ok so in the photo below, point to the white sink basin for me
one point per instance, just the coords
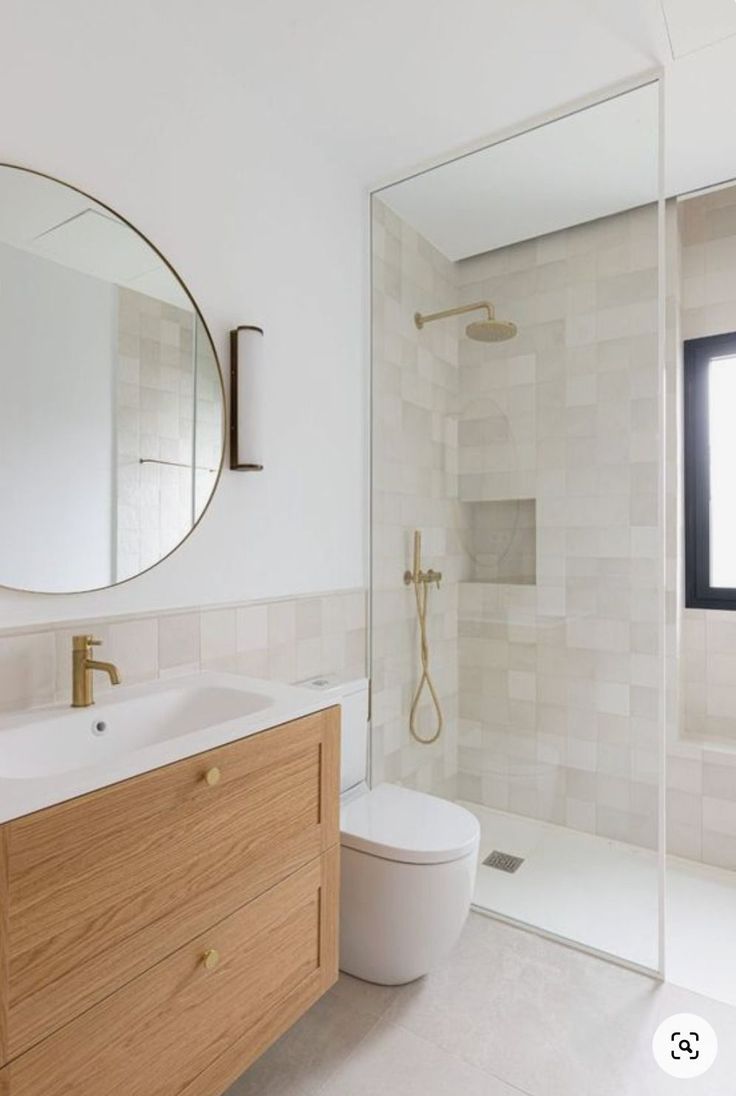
(53, 754)
(85, 736)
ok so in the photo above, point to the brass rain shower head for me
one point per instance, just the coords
(488, 330)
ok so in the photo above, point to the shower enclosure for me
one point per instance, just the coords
(530, 452)
(582, 641)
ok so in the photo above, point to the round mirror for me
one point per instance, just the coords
(111, 399)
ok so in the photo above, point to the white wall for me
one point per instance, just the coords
(264, 229)
(57, 331)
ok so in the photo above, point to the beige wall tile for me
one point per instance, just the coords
(27, 670)
(252, 628)
(133, 646)
(218, 634)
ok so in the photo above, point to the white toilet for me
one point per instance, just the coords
(408, 862)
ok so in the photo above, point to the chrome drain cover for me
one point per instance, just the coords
(503, 861)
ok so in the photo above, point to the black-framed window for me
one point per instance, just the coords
(710, 472)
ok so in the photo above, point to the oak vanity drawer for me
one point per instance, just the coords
(194, 1022)
(103, 887)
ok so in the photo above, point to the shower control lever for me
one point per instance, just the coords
(417, 577)
(428, 578)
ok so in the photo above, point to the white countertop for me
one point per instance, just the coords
(52, 754)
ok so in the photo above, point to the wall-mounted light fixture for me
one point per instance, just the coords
(246, 403)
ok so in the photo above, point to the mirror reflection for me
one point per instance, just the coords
(111, 417)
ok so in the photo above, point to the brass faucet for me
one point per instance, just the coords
(82, 669)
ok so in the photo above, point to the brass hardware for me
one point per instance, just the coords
(83, 667)
(488, 330)
(210, 959)
(429, 578)
(420, 319)
(421, 581)
(213, 776)
(418, 577)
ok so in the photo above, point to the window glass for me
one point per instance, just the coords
(722, 434)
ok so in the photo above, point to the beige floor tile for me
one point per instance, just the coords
(553, 1021)
(392, 1060)
(507, 1013)
(305, 1058)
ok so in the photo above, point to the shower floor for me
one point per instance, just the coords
(603, 894)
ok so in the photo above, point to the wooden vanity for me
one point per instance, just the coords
(159, 934)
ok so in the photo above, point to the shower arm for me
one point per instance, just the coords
(420, 319)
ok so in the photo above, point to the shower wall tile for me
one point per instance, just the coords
(557, 682)
(415, 476)
(563, 706)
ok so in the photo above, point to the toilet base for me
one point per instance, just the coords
(397, 920)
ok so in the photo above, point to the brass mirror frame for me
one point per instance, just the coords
(198, 316)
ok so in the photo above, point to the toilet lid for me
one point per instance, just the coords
(400, 824)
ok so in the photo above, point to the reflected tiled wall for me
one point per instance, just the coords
(286, 640)
(155, 405)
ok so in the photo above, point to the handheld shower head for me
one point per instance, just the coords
(488, 330)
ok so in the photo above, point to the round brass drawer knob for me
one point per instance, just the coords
(210, 959)
(213, 776)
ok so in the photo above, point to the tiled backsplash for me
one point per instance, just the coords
(287, 640)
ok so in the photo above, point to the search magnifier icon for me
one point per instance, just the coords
(685, 1045)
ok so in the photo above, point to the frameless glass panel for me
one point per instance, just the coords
(516, 425)
(701, 830)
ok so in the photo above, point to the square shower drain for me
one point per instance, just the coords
(503, 861)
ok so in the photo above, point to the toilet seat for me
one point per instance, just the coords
(409, 827)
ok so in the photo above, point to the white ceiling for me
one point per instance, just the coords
(380, 88)
(587, 165)
(386, 88)
(694, 24)
(63, 226)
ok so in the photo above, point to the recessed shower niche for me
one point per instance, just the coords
(501, 541)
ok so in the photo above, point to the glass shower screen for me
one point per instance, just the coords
(517, 424)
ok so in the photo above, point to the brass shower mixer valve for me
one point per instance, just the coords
(427, 578)
(418, 577)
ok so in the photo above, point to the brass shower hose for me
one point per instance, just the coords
(421, 591)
